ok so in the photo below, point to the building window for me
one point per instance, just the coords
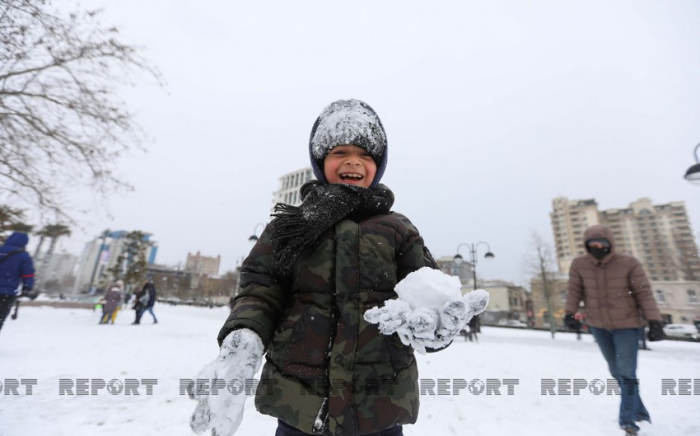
(660, 297)
(692, 296)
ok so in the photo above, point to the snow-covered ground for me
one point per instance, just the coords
(49, 344)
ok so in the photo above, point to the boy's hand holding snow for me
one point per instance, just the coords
(430, 310)
(218, 408)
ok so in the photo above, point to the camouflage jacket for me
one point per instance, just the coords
(327, 370)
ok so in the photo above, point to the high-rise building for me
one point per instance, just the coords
(203, 265)
(288, 192)
(658, 235)
(101, 254)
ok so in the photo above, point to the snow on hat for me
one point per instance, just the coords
(348, 122)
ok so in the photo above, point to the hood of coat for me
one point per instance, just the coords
(17, 239)
(599, 231)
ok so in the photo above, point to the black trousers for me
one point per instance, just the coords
(6, 302)
(284, 429)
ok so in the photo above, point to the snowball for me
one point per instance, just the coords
(428, 288)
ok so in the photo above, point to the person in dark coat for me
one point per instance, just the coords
(147, 299)
(138, 304)
(16, 268)
(474, 328)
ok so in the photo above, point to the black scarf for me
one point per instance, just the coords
(297, 229)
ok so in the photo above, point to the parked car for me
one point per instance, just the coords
(512, 323)
(682, 331)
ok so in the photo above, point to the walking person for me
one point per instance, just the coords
(474, 328)
(643, 339)
(617, 298)
(16, 267)
(148, 300)
(119, 287)
(138, 304)
(145, 300)
(112, 299)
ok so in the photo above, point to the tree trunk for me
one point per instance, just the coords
(38, 247)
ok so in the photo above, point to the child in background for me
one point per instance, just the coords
(112, 299)
(306, 286)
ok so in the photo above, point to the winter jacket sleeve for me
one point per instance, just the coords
(641, 291)
(27, 272)
(412, 254)
(574, 291)
(260, 303)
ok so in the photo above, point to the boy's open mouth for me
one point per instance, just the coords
(351, 177)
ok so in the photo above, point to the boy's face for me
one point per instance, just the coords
(351, 165)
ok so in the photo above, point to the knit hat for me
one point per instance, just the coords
(348, 122)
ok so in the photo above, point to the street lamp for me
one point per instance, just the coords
(254, 237)
(472, 256)
(693, 173)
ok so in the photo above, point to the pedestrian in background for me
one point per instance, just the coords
(16, 268)
(138, 304)
(112, 299)
(146, 299)
(474, 329)
(149, 290)
(617, 299)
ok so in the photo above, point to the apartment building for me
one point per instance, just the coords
(290, 184)
(203, 265)
(658, 235)
(101, 254)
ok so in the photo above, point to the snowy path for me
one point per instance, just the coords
(49, 344)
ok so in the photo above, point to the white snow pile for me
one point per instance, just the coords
(222, 398)
(430, 310)
(429, 288)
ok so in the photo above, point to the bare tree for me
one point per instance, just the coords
(541, 265)
(60, 118)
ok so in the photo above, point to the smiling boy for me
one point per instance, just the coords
(306, 285)
(351, 165)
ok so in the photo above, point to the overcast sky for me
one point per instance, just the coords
(491, 110)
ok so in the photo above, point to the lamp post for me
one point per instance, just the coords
(254, 237)
(693, 173)
(472, 257)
